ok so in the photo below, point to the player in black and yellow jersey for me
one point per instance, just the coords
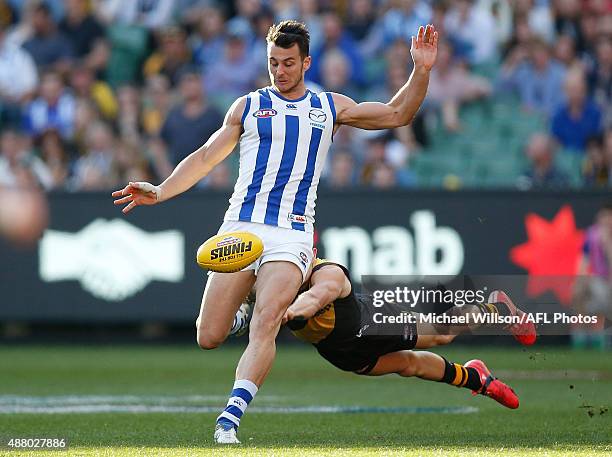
(331, 316)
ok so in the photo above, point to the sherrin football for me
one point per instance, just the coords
(229, 252)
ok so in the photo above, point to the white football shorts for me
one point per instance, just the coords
(280, 244)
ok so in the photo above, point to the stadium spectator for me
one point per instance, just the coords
(466, 24)
(129, 163)
(567, 19)
(53, 151)
(383, 176)
(191, 123)
(129, 119)
(335, 72)
(246, 10)
(537, 16)
(53, 109)
(342, 170)
(18, 79)
(335, 38)
(565, 50)
(208, 43)
(94, 170)
(80, 27)
(8, 14)
(150, 14)
(578, 118)
(522, 36)
(156, 104)
(85, 86)
(534, 76)
(306, 11)
(593, 289)
(596, 170)
(397, 23)
(259, 48)
(19, 166)
(48, 46)
(172, 55)
(451, 85)
(542, 173)
(237, 67)
(360, 19)
(600, 79)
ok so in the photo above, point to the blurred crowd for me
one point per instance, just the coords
(95, 93)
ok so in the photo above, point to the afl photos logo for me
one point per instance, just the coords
(264, 113)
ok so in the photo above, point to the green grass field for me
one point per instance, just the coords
(564, 400)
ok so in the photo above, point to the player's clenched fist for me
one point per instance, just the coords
(136, 194)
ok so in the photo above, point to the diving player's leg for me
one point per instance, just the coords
(474, 375)
(222, 297)
(499, 303)
(277, 285)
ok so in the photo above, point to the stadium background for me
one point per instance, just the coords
(514, 139)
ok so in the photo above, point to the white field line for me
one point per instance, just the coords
(88, 404)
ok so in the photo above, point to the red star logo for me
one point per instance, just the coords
(551, 254)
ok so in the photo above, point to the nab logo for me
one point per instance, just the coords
(291, 106)
(264, 113)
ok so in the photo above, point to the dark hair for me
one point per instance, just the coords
(286, 33)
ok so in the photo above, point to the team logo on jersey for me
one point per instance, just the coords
(317, 115)
(291, 106)
(264, 113)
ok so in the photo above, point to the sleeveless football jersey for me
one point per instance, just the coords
(282, 151)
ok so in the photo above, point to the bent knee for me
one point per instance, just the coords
(208, 340)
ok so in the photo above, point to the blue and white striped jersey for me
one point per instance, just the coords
(282, 151)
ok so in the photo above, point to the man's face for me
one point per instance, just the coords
(190, 87)
(605, 220)
(286, 66)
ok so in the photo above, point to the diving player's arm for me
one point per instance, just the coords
(406, 102)
(326, 285)
(192, 168)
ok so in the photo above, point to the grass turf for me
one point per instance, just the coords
(564, 396)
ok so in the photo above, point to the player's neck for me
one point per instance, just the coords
(294, 94)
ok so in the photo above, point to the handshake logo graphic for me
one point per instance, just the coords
(112, 260)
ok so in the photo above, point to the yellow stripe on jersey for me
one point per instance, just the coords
(319, 326)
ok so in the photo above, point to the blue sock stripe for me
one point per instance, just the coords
(242, 393)
(225, 417)
(234, 410)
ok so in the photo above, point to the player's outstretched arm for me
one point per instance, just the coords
(191, 169)
(326, 285)
(406, 102)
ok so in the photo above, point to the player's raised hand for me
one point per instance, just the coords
(424, 48)
(136, 194)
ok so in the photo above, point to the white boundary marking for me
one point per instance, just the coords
(91, 404)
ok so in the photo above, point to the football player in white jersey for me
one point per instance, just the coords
(284, 132)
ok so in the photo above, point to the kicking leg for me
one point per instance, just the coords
(474, 375)
(222, 297)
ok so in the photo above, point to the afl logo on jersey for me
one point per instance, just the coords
(317, 115)
(263, 113)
